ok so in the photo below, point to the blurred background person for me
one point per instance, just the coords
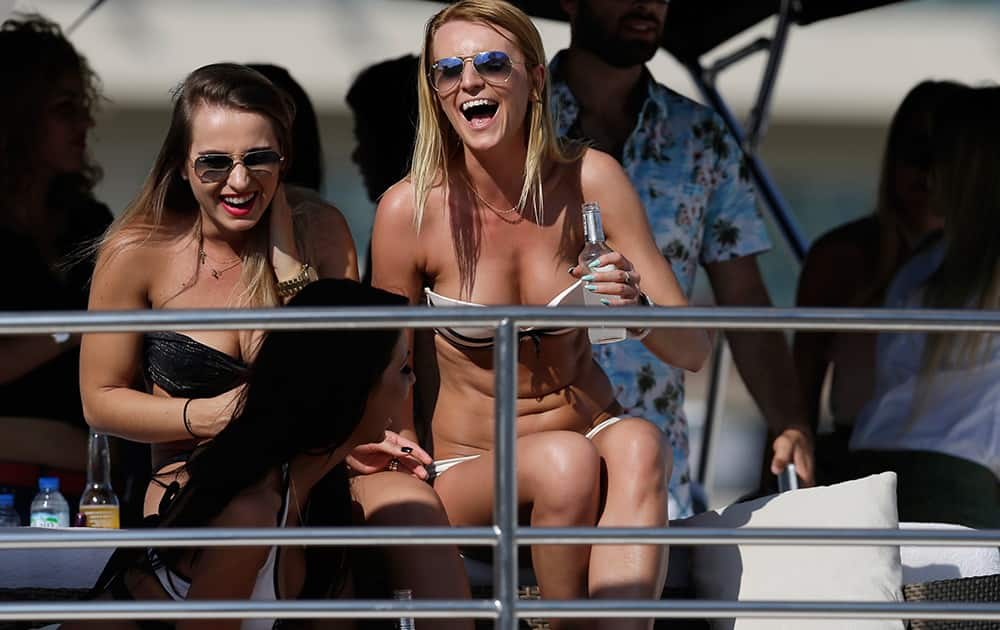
(47, 214)
(852, 266)
(384, 128)
(934, 416)
(303, 175)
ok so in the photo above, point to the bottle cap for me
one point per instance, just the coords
(48, 483)
(6, 500)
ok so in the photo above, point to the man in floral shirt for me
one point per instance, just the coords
(692, 179)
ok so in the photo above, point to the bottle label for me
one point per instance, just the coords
(49, 519)
(102, 516)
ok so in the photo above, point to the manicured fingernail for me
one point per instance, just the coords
(605, 301)
(407, 449)
(590, 287)
(588, 277)
(570, 270)
(594, 264)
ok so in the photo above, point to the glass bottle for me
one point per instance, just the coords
(98, 501)
(593, 248)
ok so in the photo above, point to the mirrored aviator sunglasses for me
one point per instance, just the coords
(493, 66)
(215, 167)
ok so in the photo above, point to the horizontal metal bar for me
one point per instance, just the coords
(487, 609)
(27, 538)
(241, 609)
(757, 536)
(243, 537)
(709, 609)
(818, 319)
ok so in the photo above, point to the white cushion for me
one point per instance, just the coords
(801, 573)
(928, 564)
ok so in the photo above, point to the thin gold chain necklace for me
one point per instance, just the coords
(503, 214)
(203, 257)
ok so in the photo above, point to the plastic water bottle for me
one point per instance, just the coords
(49, 507)
(404, 623)
(8, 515)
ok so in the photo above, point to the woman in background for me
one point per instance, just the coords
(934, 417)
(47, 214)
(852, 266)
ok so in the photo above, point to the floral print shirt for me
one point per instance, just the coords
(692, 179)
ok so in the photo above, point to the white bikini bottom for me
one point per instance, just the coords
(440, 466)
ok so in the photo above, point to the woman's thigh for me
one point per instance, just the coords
(561, 468)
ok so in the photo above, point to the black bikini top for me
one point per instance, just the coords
(186, 368)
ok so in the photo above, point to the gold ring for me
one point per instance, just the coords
(393, 464)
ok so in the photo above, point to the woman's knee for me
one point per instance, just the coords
(394, 498)
(564, 470)
(636, 448)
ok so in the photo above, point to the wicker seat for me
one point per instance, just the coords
(983, 589)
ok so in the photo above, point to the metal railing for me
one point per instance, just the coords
(505, 535)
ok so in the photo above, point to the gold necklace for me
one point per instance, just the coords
(503, 214)
(216, 273)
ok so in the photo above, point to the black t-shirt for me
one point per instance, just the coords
(52, 390)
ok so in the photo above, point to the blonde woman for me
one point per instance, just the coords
(852, 266)
(938, 395)
(490, 214)
(211, 228)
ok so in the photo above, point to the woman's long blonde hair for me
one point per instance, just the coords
(437, 142)
(965, 189)
(908, 141)
(230, 86)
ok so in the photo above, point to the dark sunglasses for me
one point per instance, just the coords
(494, 66)
(215, 167)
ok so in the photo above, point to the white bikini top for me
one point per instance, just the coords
(484, 337)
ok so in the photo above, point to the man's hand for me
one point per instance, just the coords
(795, 445)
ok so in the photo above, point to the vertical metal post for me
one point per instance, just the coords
(762, 108)
(505, 565)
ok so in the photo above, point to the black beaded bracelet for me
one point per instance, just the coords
(187, 421)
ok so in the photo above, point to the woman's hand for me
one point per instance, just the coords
(209, 416)
(620, 287)
(407, 455)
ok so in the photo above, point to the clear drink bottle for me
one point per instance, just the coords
(8, 515)
(49, 507)
(594, 247)
(98, 502)
(404, 623)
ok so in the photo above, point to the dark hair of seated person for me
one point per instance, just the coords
(306, 167)
(306, 394)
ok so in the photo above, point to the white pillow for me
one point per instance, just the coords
(928, 564)
(799, 573)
